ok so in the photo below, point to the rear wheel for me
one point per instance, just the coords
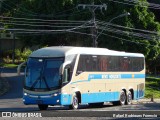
(122, 98)
(42, 107)
(129, 98)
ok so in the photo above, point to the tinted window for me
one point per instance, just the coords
(110, 63)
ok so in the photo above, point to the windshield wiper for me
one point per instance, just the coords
(33, 85)
(46, 83)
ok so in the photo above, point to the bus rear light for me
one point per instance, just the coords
(25, 94)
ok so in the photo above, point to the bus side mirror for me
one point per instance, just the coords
(63, 66)
(66, 75)
(19, 67)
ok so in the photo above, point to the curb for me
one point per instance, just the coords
(143, 101)
(4, 86)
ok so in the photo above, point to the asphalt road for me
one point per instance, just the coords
(12, 102)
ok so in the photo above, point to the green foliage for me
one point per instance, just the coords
(20, 56)
(140, 18)
(18, 53)
(26, 53)
(152, 87)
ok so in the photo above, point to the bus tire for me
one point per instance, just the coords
(75, 102)
(122, 99)
(42, 107)
(129, 98)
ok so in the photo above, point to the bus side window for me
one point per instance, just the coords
(94, 62)
(87, 63)
(81, 65)
(124, 64)
(103, 63)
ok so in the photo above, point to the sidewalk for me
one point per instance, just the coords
(147, 100)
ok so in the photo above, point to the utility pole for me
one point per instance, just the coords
(92, 7)
(1, 1)
(94, 28)
(13, 51)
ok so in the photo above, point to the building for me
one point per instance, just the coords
(9, 42)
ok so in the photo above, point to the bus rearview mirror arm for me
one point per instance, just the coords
(61, 70)
(19, 67)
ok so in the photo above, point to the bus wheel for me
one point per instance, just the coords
(122, 98)
(75, 102)
(129, 98)
(42, 107)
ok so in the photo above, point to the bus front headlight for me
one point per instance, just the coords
(25, 94)
(54, 94)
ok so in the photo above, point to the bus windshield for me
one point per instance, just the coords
(43, 74)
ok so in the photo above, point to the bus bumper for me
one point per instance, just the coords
(55, 99)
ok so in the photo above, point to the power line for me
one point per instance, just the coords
(81, 33)
(32, 30)
(48, 23)
(126, 40)
(39, 33)
(144, 3)
(153, 7)
(127, 33)
(115, 25)
(27, 19)
(33, 25)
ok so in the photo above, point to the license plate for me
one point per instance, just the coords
(39, 102)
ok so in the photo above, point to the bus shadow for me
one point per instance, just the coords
(152, 106)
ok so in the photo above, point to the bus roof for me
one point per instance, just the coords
(61, 51)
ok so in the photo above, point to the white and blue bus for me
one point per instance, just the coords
(71, 76)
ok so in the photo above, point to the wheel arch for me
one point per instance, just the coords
(125, 91)
(132, 92)
(78, 93)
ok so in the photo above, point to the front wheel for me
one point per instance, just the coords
(42, 107)
(75, 102)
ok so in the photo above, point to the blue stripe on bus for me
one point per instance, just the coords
(139, 76)
(106, 96)
(99, 97)
(66, 99)
(124, 76)
(111, 76)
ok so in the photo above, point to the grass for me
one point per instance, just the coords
(10, 65)
(152, 87)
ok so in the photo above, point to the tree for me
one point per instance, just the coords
(115, 37)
